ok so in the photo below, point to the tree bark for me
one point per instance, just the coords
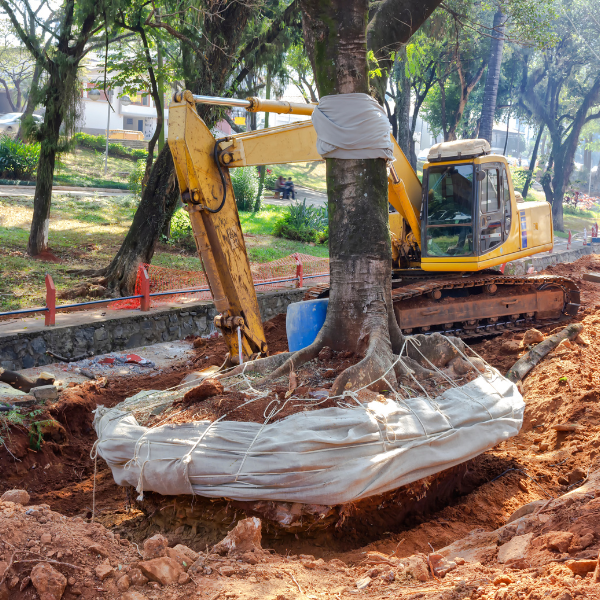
(534, 154)
(159, 200)
(492, 79)
(42, 200)
(402, 111)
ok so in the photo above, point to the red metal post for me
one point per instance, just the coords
(145, 289)
(569, 241)
(299, 270)
(50, 301)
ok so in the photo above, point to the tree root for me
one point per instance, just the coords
(261, 366)
(375, 369)
(534, 356)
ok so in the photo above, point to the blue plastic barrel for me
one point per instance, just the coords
(304, 321)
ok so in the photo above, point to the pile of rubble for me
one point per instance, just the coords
(547, 549)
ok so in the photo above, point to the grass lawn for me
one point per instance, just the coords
(310, 175)
(85, 233)
(83, 167)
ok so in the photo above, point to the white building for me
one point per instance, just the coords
(140, 115)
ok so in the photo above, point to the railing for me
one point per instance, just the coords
(52, 308)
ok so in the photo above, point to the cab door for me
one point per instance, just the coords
(491, 207)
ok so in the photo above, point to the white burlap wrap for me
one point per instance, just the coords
(328, 456)
(352, 126)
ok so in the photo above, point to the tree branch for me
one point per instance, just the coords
(258, 46)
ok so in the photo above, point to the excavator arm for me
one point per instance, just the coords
(202, 166)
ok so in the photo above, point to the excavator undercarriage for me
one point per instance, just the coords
(476, 304)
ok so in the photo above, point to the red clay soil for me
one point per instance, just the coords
(47, 256)
(538, 464)
(61, 472)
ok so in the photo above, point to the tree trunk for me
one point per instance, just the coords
(493, 78)
(507, 129)
(42, 200)
(403, 107)
(587, 155)
(161, 93)
(159, 200)
(32, 100)
(263, 168)
(533, 161)
(360, 315)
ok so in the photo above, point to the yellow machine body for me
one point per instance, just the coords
(202, 164)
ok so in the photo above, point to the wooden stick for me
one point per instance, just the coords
(534, 356)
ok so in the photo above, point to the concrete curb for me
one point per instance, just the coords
(547, 259)
(23, 344)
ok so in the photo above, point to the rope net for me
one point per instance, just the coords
(282, 273)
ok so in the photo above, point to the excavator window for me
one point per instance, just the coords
(491, 215)
(449, 224)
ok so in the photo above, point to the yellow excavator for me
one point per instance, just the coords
(448, 232)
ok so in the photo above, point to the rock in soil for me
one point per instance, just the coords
(16, 496)
(244, 537)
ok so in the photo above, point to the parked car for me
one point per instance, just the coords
(9, 123)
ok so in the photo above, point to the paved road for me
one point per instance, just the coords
(313, 198)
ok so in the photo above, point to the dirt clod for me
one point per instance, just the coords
(207, 389)
(49, 583)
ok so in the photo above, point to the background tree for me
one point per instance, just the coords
(133, 65)
(561, 88)
(217, 39)
(492, 80)
(75, 26)
(16, 69)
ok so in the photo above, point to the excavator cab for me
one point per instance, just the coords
(467, 211)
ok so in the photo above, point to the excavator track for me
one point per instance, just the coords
(480, 304)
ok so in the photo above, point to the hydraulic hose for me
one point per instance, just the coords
(221, 174)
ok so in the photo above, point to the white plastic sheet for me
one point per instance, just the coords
(328, 456)
(352, 126)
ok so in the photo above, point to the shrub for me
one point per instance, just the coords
(270, 180)
(135, 178)
(245, 182)
(519, 175)
(304, 223)
(98, 143)
(18, 160)
(181, 232)
(138, 153)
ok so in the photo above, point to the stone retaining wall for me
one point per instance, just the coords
(28, 349)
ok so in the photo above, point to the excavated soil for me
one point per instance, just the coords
(539, 464)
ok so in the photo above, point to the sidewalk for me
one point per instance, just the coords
(29, 191)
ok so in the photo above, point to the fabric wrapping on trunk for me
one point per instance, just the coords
(328, 456)
(352, 126)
